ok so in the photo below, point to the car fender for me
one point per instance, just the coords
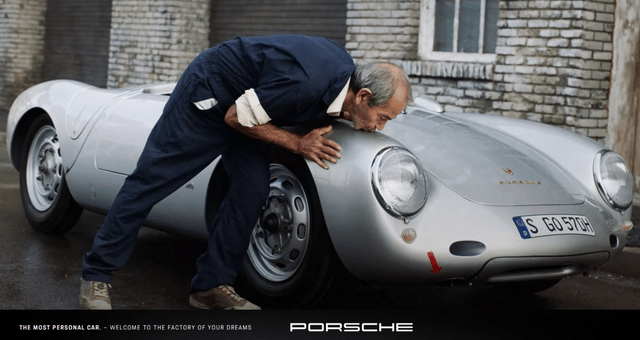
(347, 185)
(71, 105)
(33, 101)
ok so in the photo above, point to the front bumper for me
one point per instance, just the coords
(517, 269)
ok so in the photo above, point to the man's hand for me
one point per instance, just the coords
(315, 147)
(312, 146)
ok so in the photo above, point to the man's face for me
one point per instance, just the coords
(368, 118)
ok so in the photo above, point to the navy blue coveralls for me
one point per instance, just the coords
(295, 77)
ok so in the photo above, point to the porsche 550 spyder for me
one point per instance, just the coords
(436, 197)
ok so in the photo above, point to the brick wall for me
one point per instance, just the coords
(21, 47)
(383, 29)
(154, 41)
(560, 51)
(553, 60)
(552, 64)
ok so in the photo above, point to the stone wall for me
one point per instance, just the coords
(155, 40)
(21, 47)
(553, 60)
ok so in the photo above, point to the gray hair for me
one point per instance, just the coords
(380, 78)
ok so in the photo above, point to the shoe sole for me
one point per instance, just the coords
(86, 305)
(197, 304)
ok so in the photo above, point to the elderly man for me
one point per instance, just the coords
(231, 100)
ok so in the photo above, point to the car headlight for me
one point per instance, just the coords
(613, 179)
(399, 182)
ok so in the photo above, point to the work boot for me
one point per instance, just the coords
(94, 295)
(222, 297)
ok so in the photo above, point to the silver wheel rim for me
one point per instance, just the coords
(44, 169)
(280, 238)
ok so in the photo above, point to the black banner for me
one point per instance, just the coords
(316, 324)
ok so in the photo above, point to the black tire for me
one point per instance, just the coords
(46, 200)
(306, 281)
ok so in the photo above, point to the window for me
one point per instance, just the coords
(459, 30)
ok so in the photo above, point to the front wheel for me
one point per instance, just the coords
(46, 199)
(291, 262)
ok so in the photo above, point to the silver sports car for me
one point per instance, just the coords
(437, 197)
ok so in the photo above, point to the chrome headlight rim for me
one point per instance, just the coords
(598, 176)
(378, 192)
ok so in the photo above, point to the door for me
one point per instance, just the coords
(233, 18)
(77, 41)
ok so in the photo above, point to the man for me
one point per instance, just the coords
(232, 99)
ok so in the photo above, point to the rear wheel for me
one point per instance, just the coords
(46, 199)
(291, 262)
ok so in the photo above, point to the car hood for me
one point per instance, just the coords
(480, 164)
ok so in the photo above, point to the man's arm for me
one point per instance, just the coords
(312, 146)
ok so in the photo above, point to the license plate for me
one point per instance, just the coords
(549, 225)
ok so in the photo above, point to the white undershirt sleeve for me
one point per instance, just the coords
(250, 111)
